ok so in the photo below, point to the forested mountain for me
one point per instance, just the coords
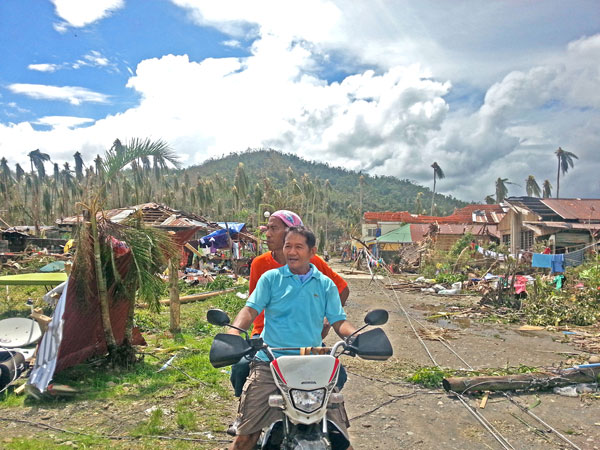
(379, 193)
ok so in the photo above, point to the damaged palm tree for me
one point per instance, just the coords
(149, 249)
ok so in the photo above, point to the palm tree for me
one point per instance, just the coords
(327, 208)
(112, 163)
(361, 185)
(5, 173)
(68, 185)
(501, 189)
(241, 181)
(531, 187)
(290, 177)
(437, 173)
(6, 179)
(38, 159)
(19, 173)
(418, 203)
(565, 160)
(547, 189)
(78, 166)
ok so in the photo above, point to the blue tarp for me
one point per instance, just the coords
(220, 236)
(234, 227)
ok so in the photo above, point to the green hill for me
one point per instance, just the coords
(380, 193)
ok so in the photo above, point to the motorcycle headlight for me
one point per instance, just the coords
(308, 401)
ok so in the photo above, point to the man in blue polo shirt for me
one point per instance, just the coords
(296, 298)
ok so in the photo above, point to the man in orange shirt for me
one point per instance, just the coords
(277, 226)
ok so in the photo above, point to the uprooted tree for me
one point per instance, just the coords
(102, 243)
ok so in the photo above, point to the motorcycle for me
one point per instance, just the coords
(306, 382)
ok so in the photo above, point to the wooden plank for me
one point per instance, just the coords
(193, 250)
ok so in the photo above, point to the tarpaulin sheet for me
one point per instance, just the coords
(219, 237)
(234, 227)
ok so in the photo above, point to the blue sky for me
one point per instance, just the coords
(486, 89)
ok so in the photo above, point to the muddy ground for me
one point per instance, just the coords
(418, 418)
(386, 412)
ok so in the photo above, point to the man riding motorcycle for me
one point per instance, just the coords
(296, 299)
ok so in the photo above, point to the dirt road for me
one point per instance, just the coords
(415, 418)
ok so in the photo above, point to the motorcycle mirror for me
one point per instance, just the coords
(217, 317)
(376, 317)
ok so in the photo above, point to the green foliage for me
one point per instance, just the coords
(219, 283)
(449, 278)
(589, 273)
(575, 306)
(461, 244)
(430, 377)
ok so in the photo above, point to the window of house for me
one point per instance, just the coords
(506, 239)
(526, 240)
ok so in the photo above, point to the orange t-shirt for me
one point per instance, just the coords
(265, 262)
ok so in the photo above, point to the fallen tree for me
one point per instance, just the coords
(589, 373)
(193, 298)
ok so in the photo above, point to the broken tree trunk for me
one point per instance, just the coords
(589, 373)
(174, 309)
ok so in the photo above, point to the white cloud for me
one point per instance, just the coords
(72, 94)
(43, 67)
(234, 43)
(76, 13)
(92, 59)
(63, 122)
(95, 58)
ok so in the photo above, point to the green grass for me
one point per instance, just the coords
(58, 442)
(198, 396)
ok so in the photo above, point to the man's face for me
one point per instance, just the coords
(297, 253)
(275, 233)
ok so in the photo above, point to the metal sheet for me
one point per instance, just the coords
(575, 209)
(572, 238)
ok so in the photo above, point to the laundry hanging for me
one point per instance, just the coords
(541, 260)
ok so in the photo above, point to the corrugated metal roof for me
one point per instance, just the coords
(574, 208)
(490, 214)
(565, 225)
(418, 231)
(459, 229)
(400, 235)
(153, 214)
(535, 205)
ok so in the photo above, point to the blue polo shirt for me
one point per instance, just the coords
(294, 310)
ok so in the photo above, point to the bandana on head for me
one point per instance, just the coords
(290, 218)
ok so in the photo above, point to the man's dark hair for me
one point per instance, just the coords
(311, 240)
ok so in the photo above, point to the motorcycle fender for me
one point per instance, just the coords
(338, 439)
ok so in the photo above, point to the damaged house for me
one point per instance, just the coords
(564, 224)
